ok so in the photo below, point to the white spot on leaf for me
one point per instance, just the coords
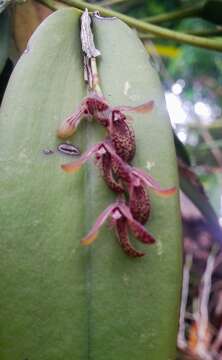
(159, 248)
(150, 164)
(127, 86)
(126, 279)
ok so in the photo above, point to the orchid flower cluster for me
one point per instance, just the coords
(113, 155)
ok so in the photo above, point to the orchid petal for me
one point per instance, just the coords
(70, 124)
(92, 235)
(137, 229)
(122, 234)
(139, 202)
(144, 108)
(122, 136)
(153, 184)
(107, 173)
(120, 168)
(76, 165)
(140, 232)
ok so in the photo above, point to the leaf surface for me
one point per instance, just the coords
(60, 300)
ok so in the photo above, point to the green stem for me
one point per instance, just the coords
(175, 15)
(111, 2)
(52, 4)
(205, 32)
(143, 26)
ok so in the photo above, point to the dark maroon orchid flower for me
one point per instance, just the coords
(91, 106)
(139, 201)
(113, 118)
(103, 160)
(122, 219)
(120, 176)
(121, 170)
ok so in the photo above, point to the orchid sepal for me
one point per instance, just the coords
(75, 165)
(92, 235)
(152, 183)
(143, 108)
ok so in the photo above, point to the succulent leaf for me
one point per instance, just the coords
(61, 300)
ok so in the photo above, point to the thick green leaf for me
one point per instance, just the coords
(60, 300)
(4, 38)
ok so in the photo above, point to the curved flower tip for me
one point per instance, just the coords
(89, 238)
(153, 183)
(64, 132)
(166, 192)
(70, 124)
(76, 165)
(72, 167)
(66, 129)
(92, 235)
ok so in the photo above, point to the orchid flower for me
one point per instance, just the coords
(118, 175)
(121, 132)
(91, 106)
(121, 169)
(122, 219)
(113, 118)
(104, 161)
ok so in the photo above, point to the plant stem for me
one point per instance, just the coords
(111, 2)
(206, 32)
(143, 26)
(53, 4)
(175, 15)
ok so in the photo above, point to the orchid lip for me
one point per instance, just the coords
(116, 214)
